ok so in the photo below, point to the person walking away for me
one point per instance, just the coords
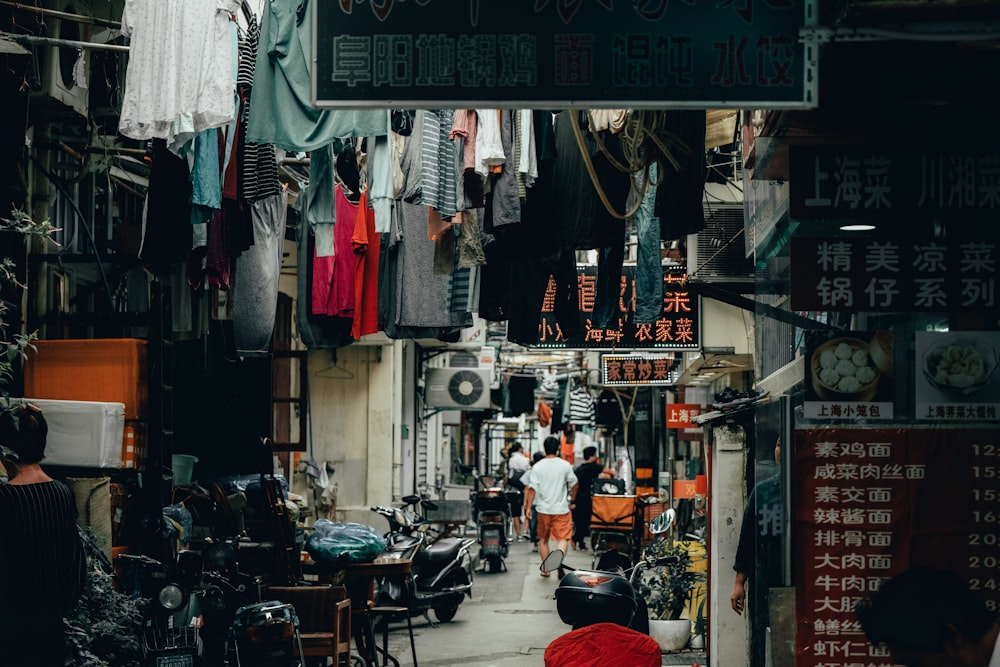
(41, 553)
(517, 465)
(758, 558)
(533, 518)
(550, 488)
(583, 506)
(928, 616)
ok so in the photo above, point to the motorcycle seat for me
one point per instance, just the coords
(441, 551)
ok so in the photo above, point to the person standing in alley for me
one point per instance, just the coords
(550, 487)
(583, 506)
(41, 553)
(517, 465)
(533, 518)
(928, 616)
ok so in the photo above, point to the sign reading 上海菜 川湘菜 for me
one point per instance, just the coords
(518, 53)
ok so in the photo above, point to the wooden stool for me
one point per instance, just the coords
(385, 614)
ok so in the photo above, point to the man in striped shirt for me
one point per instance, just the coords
(41, 554)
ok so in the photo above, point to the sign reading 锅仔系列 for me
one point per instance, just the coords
(519, 53)
(894, 274)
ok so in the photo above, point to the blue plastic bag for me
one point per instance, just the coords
(336, 542)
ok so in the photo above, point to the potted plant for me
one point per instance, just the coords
(667, 592)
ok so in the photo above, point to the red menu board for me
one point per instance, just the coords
(870, 503)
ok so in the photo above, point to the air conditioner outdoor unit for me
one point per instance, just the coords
(56, 63)
(457, 388)
(718, 252)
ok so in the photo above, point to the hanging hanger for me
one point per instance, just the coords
(335, 372)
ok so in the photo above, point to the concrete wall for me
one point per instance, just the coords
(723, 325)
(728, 640)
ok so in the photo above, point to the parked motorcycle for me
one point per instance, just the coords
(442, 570)
(492, 514)
(585, 597)
(172, 632)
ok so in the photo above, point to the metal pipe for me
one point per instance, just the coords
(88, 20)
(70, 43)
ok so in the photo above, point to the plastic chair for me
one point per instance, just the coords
(324, 613)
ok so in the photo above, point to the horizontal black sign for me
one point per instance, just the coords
(677, 328)
(518, 53)
(881, 274)
(849, 182)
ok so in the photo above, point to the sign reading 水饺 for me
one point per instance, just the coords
(677, 327)
(519, 53)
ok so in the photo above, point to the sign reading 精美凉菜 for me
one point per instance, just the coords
(518, 53)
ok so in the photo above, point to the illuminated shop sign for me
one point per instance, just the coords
(639, 370)
(677, 328)
(386, 53)
(894, 274)
(850, 182)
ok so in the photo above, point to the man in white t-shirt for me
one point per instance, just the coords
(551, 486)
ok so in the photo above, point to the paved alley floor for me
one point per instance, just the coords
(508, 622)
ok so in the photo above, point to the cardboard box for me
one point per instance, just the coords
(94, 369)
(85, 434)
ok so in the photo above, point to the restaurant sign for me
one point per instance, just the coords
(519, 53)
(918, 181)
(892, 275)
(678, 326)
(627, 370)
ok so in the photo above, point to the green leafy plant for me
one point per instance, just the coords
(105, 628)
(668, 590)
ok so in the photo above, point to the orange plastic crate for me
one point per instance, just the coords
(94, 369)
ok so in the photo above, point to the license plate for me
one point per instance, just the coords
(491, 541)
(175, 661)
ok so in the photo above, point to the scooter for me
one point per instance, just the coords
(492, 510)
(585, 597)
(442, 571)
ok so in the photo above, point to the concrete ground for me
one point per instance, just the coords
(508, 622)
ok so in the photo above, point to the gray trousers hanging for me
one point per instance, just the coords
(255, 284)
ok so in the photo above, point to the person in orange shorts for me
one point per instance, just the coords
(550, 487)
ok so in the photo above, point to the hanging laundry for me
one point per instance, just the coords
(366, 244)
(582, 407)
(179, 80)
(282, 113)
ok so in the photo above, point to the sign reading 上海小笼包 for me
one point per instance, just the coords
(891, 274)
(519, 53)
(626, 370)
(677, 327)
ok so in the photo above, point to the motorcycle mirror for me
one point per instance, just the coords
(428, 505)
(663, 522)
(553, 561)
(410, 500)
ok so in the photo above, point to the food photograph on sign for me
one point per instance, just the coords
(956, 375)
(849, 375)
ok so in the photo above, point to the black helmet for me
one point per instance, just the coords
(585, 597)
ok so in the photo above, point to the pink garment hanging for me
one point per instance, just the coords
(341, 300)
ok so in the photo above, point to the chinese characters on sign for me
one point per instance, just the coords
(677, 327)
(873, 274)
(956, 376)
(638, 369)
(679, 415)
(871, 503)
(846, 182)
(849, 375)
(379, 53)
